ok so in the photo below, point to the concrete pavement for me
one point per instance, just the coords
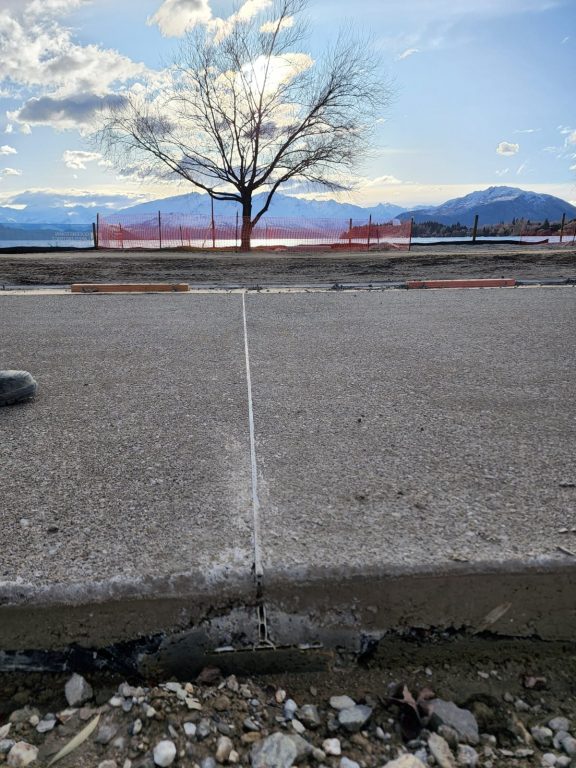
(414, 456)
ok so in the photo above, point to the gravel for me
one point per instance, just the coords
(268, 723)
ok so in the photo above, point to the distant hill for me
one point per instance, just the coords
(495, 205)
(282, 206)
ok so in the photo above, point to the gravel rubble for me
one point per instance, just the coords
(232, 721)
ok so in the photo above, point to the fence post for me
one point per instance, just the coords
(350, 235)
(475, 229)
(369, 227)
(159, 230)
(97, 229)
(121, 238)
(236, 238)
(181, 237)
(94, 235)
(410, 235)
(212, 223)
(562, 227)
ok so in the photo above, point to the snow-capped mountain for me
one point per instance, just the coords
(495, 205)
(42, 210)
(282, 206)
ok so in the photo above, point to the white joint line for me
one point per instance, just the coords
(258, 570)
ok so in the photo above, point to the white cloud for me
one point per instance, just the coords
(11, 172)
(379, 181)
(77, 159)
(41, 60)
(522, 168)
(502, 172)
(506, 148)
(527, 130)
(571, 138)
(565, 40)
(176, 17)
(272, 26)
(9, 128)
(408, 52)
(7, 150)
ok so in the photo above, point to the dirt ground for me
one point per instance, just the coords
(306, 268)
(510, 686)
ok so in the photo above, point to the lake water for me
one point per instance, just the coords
(153, 244)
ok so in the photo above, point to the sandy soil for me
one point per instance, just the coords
(263, 268)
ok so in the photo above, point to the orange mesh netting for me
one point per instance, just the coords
(178, 230)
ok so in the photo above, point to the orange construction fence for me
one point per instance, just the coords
(178, 230)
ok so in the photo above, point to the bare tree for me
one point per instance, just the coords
(244, 112)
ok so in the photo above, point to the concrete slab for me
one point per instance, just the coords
(128, 477)
(415, 455)
(420, 436)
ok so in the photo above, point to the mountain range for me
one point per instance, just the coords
(493, 205)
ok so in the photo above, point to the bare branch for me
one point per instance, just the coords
(247, 111)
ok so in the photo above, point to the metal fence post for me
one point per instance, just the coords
(159, 230)
(475, 230)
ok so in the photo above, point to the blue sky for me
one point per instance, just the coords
(483, 92)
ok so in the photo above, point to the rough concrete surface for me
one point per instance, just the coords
(415, 457)
(404, 429)
(130, 468)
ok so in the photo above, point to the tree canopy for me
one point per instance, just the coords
(243, 111)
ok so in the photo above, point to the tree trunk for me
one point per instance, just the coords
(245, 238)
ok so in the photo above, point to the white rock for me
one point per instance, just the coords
(190, 730)
(549, 759)
(108, 764)
(164, 753)
(406, 761)
(290, 708)
(77, 691)
(223, 749)
(332, 747)
(559, 724)
(5, 730)
(173, 687)
(467, 756)
(46, 724)
(342, 702)
(34, 720)
(347, 763)
(136, 726)
(21, 755)
(298, 726)
(193, 704)
(280, 696)
(234, 757)
(354, 718)
(441, 751)
(116, 701)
